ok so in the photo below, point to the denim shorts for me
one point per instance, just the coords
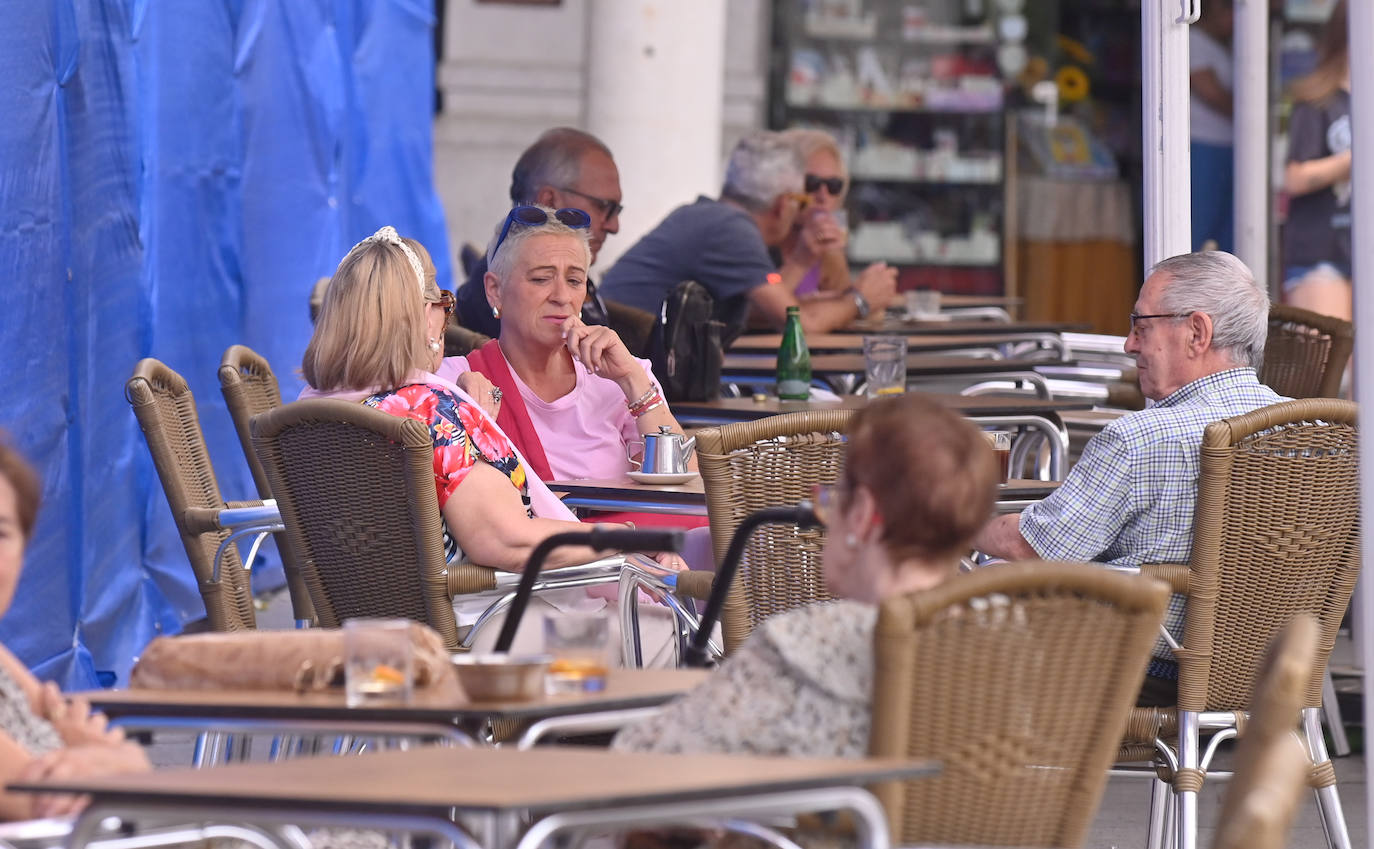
(1295, 274)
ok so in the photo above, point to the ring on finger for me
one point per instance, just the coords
(496, 394)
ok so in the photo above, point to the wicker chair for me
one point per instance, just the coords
(355, 487)
(249, 387)
(767, 463)
(1275, 536)
(1271, 765)
(1306, 352)
(166, 412)
(1018, 679)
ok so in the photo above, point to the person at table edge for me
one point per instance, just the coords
(573, 398)
(1197, 335)
(563, 168)
(723, 245)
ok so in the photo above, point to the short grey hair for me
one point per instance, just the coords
(762, 166)
(555, 159)
(1220, 285)
(499, 262)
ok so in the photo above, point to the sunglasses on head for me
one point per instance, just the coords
(533, 216)
(446, 301)
(834, 185)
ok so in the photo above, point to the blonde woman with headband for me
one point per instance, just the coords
(378, 340)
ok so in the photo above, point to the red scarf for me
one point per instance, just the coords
(513, 418)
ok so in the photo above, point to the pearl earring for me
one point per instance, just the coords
(495, 312)
(851, 541)
(434, 345)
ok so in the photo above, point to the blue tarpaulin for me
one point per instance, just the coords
(173, 179)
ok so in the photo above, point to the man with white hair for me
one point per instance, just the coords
(1197, 335)
(723, 245)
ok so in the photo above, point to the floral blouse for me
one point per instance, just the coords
(462, 436)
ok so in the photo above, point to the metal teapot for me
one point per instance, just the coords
(665, 452)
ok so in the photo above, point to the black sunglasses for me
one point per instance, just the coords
(609, 208)
(834, 185)
(533, 216)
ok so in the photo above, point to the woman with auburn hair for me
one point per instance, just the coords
(1316, 238)
(42, 733)
(378, 341)
(918, 483)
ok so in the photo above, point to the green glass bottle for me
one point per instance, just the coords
(794, 361)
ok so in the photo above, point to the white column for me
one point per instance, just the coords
(655, 89)
(1164, 72)
(1362, 244)
(1251, 98)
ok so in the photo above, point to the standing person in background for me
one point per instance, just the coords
(814, 253)
(1209, 114)
(1316, 240)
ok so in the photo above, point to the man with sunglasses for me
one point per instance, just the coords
(564, 168)
(1197, 335)
(723, 245)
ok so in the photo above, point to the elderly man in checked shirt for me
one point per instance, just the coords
(1197, 335)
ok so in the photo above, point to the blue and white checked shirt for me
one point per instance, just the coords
(1129, 499)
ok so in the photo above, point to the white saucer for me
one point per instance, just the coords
(662, 480)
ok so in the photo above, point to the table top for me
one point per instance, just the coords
(758, 407)
(917, 365)
(948, 300)
(430, 780)
(625, 688)
(916, 342)
(956, 326)
(624, 489)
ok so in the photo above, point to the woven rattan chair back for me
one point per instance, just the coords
(166, 412)
(1017, 679)
(1271, 766)
(1276, 535)
(769, 463)
(249, 387)
(355, 487)
(1306, 352)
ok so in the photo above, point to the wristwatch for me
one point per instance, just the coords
(859, 301)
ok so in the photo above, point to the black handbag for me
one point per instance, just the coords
(686, 347)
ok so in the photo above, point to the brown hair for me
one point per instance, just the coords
(929, 470)
(1333, 59)
(28, 490)
(371, 328)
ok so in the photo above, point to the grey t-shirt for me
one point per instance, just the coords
(713, 243)
(1318, 228)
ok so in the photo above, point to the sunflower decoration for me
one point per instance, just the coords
(1072, 77)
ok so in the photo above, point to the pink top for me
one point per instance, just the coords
(585, 433)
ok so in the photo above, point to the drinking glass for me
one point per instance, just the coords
(1000, 441)
(378, 666)
(579, 644)
(922, 303)
(884, 365)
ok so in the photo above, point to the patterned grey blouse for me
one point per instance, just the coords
(801, 685)
(18, 720)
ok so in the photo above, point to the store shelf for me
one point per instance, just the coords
(991, 109)
(925, 183)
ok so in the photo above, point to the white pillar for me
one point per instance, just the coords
(1251, 120)
(1164, 72)
(655, 93)
(1362, 244)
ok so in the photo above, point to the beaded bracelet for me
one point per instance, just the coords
(643, 399)
(634, 414)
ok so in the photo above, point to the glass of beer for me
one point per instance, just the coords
(579, 644)
(1000, 442)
